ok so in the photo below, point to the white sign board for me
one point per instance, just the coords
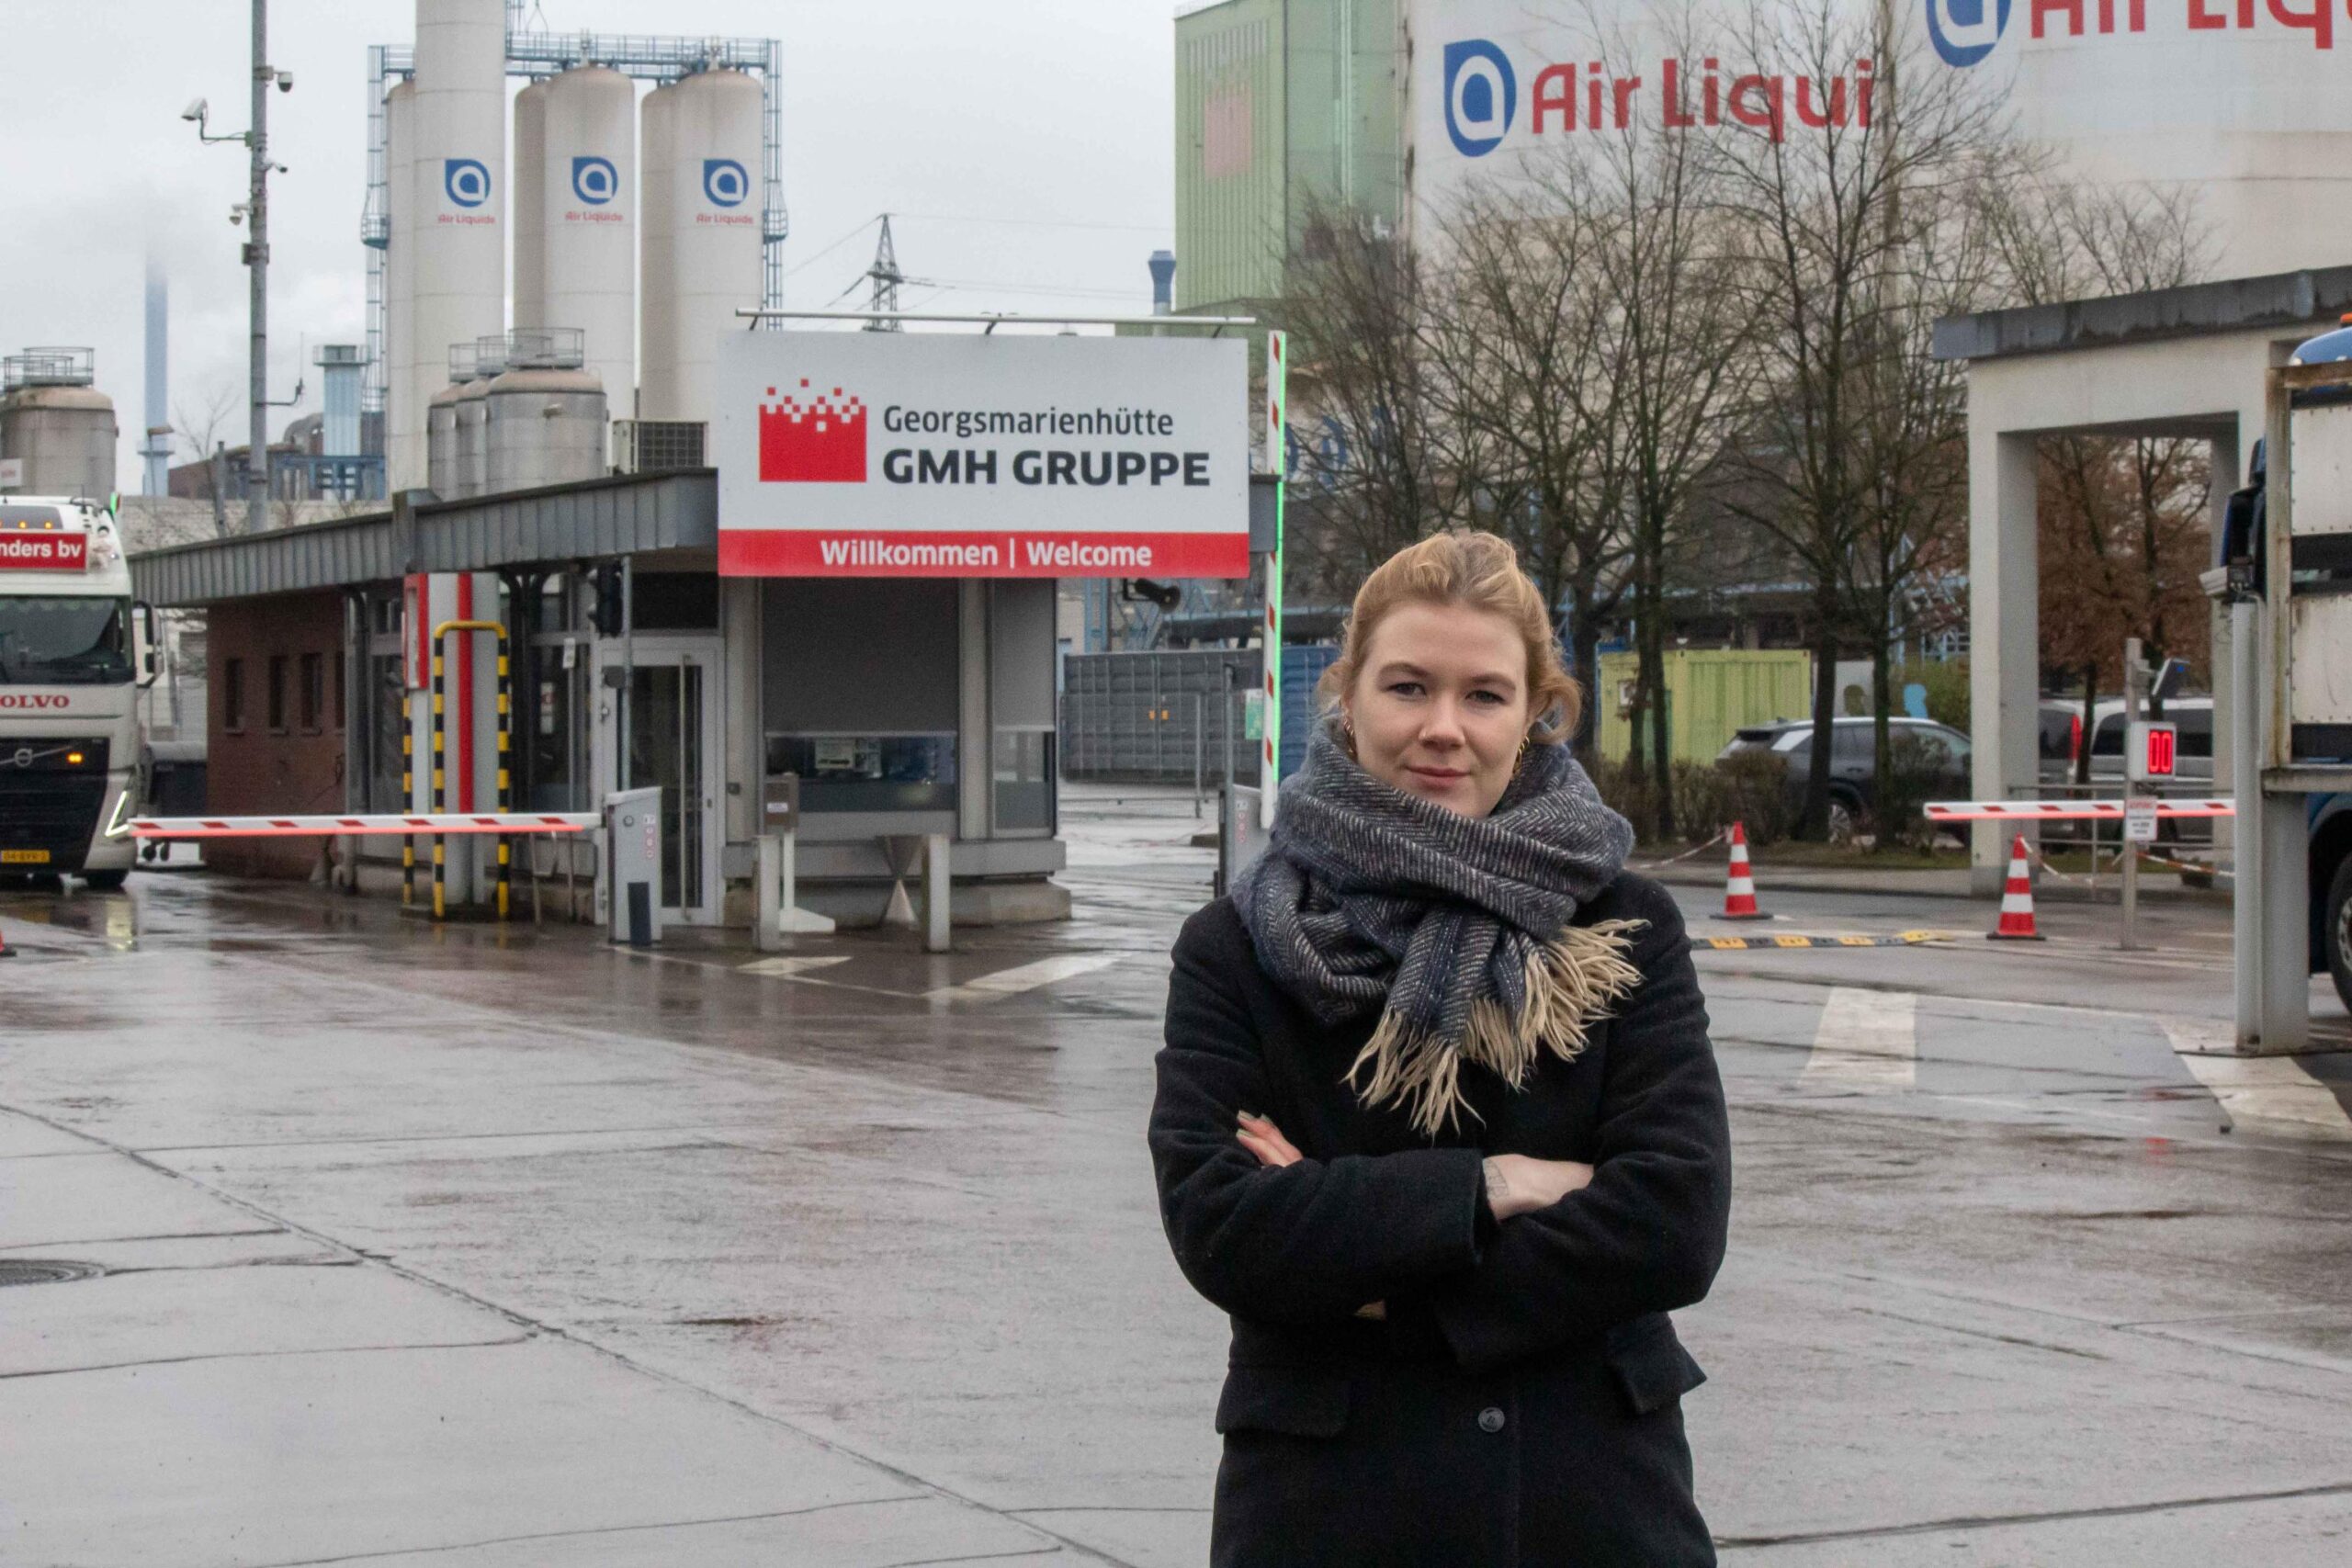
(967, 455)
(2208, 98)
(2140, 819)
(12, 473)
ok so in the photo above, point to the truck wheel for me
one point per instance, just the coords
(2336, 929)
(106, 881)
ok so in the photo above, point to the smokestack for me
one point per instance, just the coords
(156, 450)
(1163, 282)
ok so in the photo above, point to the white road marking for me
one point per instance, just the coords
(1868, 1040)
(987, 988)
(790, 967)
(2264, 1094)
(1025, 977)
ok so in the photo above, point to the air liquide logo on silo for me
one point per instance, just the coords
(467, 180)
(724, 182)
(811, 437)
(594, 180)
(1481, 95)
(1965, 32)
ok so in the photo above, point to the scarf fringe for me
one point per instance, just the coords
(1572, 980)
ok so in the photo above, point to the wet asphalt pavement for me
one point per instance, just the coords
(479, 1246)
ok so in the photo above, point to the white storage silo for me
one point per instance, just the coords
(657, 317)
(405, 456)
(706, 203)
(588, 177)
(458, 184)
(528, 210)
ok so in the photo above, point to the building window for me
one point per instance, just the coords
(278, 693)
(313, 692)
(232, 695)
(338, 690)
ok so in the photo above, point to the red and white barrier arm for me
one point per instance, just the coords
(2064, 810)
(384, 823)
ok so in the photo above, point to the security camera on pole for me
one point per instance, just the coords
(253, 211)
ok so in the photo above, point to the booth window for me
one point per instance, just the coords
(232, 695)
(278, 693)
(313, 692)
(1023, 779)
(868, 772)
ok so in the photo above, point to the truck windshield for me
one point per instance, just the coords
(65, 641)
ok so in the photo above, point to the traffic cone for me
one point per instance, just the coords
(6, 950)
(2016, 901)
(1739, 887)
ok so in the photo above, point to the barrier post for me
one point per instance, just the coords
(440, 781)
(408, 802)
(935, 893)
(505, 777)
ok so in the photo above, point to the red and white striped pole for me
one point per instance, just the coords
(1278, 461)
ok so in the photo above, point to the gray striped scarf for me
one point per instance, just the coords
(1456, 929)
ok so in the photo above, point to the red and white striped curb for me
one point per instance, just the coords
(422, 822)
(2063, 811)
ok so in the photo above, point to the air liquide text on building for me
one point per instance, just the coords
(928, 454)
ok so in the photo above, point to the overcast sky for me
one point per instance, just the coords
(1024, 145)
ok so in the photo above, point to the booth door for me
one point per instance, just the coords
(673, 716)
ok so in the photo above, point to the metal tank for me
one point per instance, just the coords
(527, 211)
(588, 181)
(459, 183)
(57, 424)
(405, 452)
(702, 235)
(2241, 108)
(442, 475)
(546, 414)
(471, 472)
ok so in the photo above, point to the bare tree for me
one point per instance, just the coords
(1529, 389)
(1358, 310)
(1847, 174)
(1675, 332)
(2121, 519)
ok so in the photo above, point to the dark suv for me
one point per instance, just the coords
(1852, 760)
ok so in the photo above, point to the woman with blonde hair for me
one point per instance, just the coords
(1438, 1122)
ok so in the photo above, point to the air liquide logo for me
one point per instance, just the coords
(1481, 95)
(724, 181)
(467, 180)
(1965, 32)
(812, 437)
(594, 180)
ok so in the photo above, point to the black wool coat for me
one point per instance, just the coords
(1519, 1406)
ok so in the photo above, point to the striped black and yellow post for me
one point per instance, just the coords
(506, 773)
(408, 803)
(505, 776)
(440, 782)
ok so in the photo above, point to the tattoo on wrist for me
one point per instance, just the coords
(1497, 1190)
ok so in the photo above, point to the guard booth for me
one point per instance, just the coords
(864, 604)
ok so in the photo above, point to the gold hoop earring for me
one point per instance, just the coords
(1348, 731)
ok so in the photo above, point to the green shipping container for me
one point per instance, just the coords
(1709, 693)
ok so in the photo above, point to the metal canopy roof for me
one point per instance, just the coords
(2195, 309)
(593, 519)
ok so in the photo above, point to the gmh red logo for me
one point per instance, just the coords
(812, 438)
(33, 700)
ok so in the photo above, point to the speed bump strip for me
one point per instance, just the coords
(1767, 944)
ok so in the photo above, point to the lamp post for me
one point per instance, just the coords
(254, 213)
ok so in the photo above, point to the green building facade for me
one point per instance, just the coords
(1281, 104)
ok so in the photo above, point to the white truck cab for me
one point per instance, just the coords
(73, 652)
